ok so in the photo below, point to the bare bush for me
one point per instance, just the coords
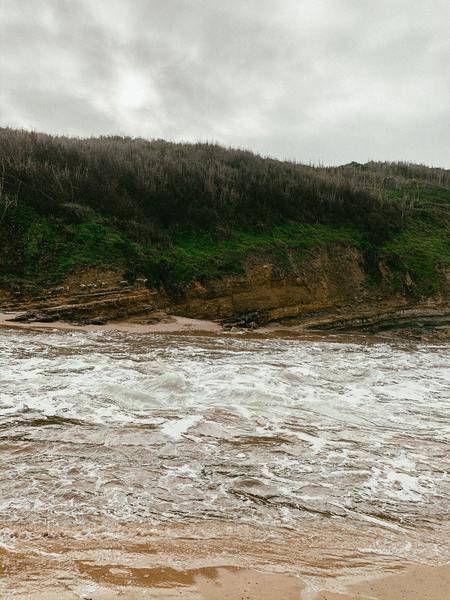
(155, 188)
(7, 201)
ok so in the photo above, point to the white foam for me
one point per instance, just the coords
(317, 442)
(176, 428)
(360, 428)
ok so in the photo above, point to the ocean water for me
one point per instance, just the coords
(284, 435)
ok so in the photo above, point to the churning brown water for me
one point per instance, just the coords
(190, 451)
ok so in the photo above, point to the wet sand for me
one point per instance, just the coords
(415, 583)
(229, 583)
(175, 325)
(207, 562)
(187, 326)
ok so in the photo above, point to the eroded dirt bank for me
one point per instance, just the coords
(332, 288)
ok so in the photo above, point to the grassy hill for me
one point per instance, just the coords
(178, 212)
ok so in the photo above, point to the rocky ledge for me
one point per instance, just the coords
(331, 290)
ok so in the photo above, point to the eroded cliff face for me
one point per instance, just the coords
(334, 287)
(328, 288)
(322, 280)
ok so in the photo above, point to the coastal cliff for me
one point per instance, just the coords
(330, 289)
(115, 228)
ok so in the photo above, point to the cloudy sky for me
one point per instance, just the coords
(313, 80)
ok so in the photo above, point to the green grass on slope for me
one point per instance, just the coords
(201, 257)
(423, 245)
(49, 249)
(424, 248)
(42, 250)
(93, 243)
(424, 195)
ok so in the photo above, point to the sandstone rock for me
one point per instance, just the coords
(96, 321)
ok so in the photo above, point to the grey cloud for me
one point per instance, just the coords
(328, 80)
(63, 112)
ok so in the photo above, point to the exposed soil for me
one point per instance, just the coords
(331, 290)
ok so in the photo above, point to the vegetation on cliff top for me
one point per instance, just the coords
(177, 212)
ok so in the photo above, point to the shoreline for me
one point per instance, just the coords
(111, 561)
(103, 581)
(175, 325)
(200, 327)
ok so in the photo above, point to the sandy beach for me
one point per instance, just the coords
(53, 564)
(187, 326)
(174, 325)
(417, 583)
(228, 583)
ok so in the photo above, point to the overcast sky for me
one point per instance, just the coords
(311, 80)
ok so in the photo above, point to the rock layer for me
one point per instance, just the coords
(333, 288)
